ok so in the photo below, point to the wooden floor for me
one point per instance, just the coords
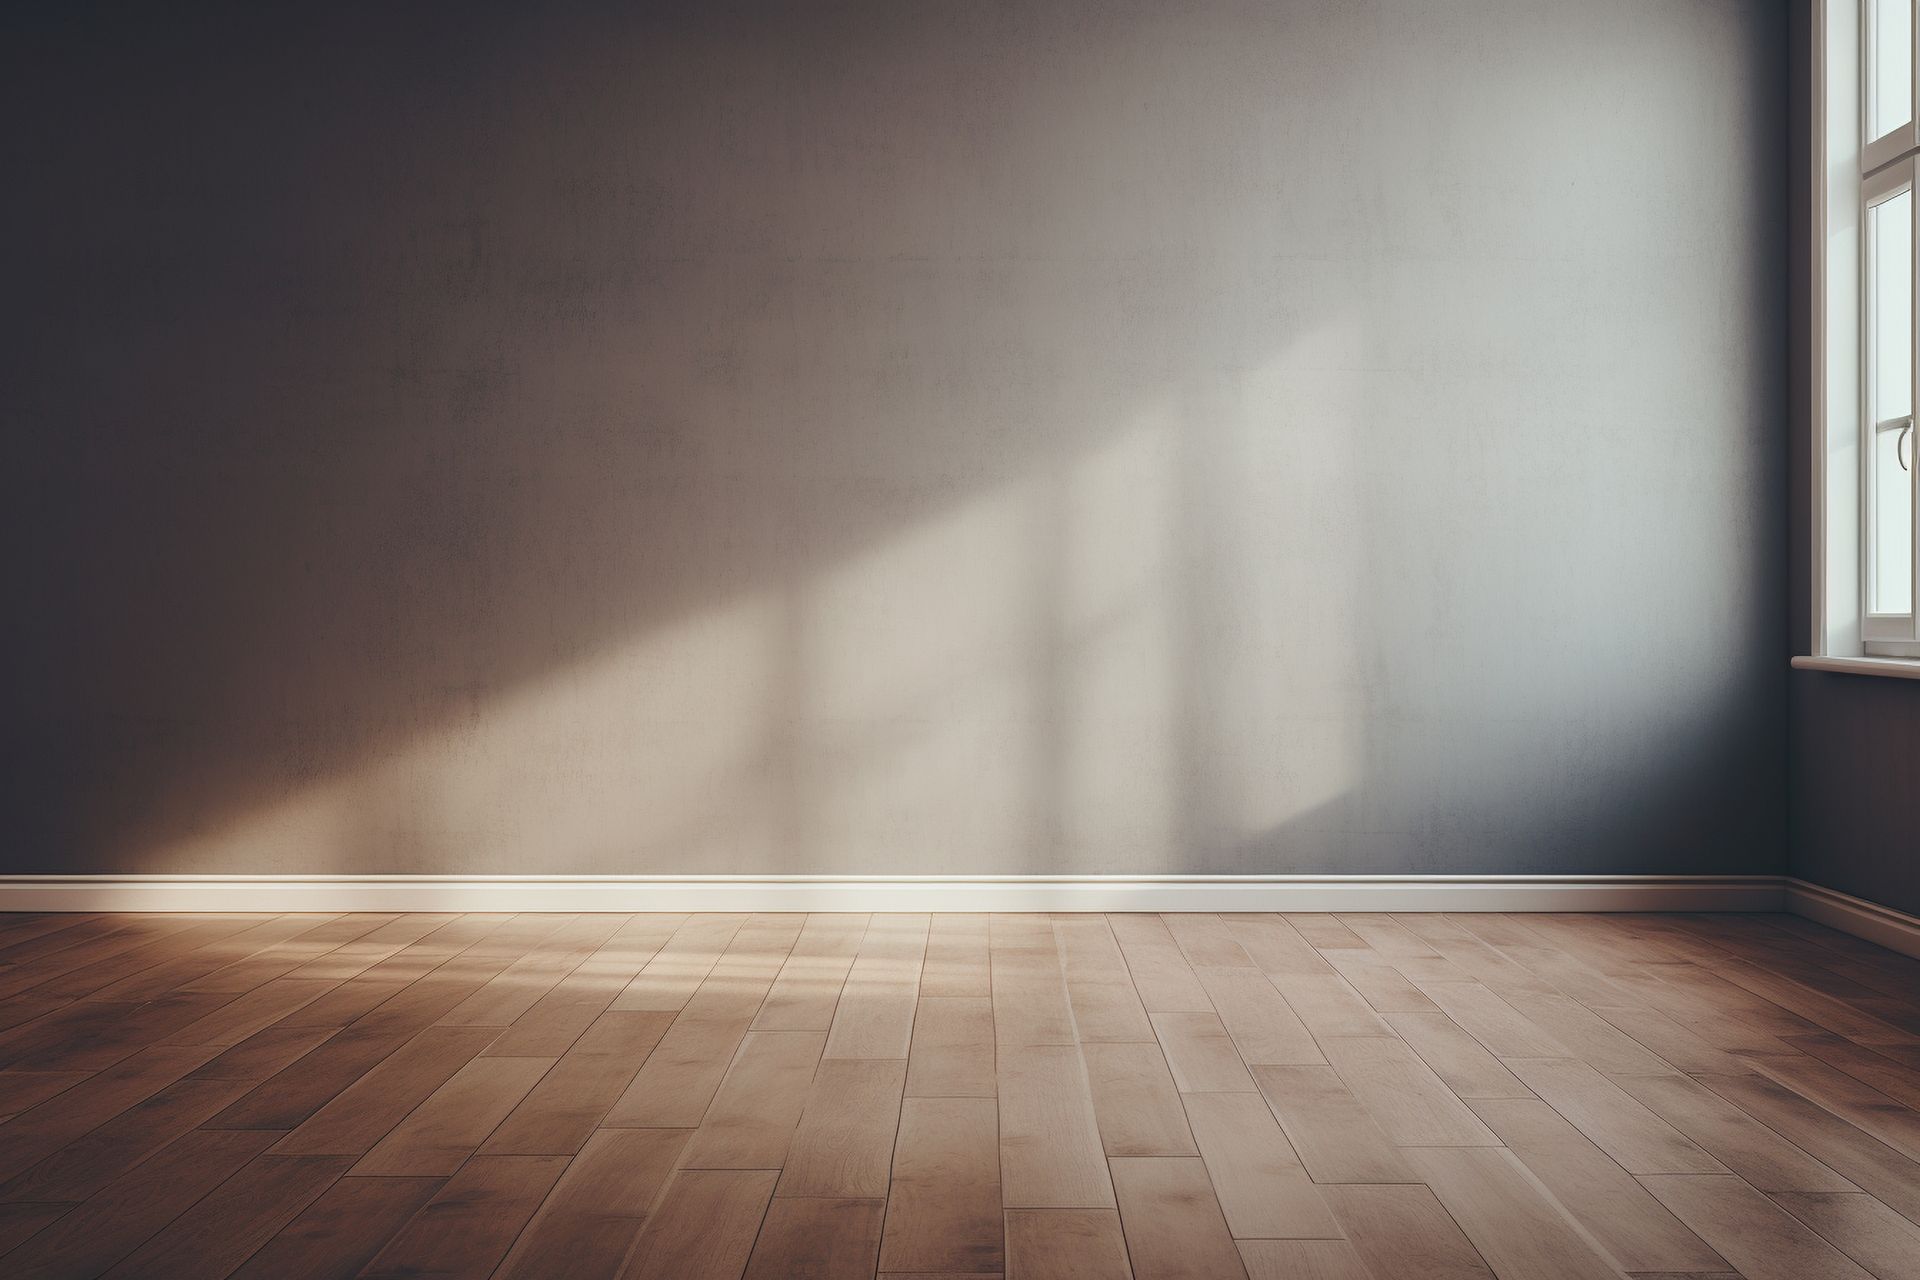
(1071, 1096)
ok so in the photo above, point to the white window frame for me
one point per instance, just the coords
(1849, 173)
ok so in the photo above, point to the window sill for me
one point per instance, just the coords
(1898, 668)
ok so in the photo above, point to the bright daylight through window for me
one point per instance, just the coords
(1867, 157)
(1886, 198)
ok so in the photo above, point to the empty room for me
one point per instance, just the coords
(960, 640)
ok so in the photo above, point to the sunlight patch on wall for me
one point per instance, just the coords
(1116, 649)
(1290, 733)
(1100, 665)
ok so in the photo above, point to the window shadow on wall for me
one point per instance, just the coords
(861, 438)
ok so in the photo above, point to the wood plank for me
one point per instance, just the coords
(104, 1033)
(668, 980)
(1108, 1011)
(1322, 929)
(264, 1053)
(820, 1239)
(1592, 1039)
(1334, 1136)
(1384, 934)
(129, 1210)
(1403, 1231)
(681, 1075)
(1262, 1024)
(1670, 1041)
(874, 1018)
(514, 991)
(705, 1227)
(362, 1113)
(1461, 953)
(339, 1233)
(1762, 1240)
(1462, 1062)
(1403, 1095)
(1201, 1054)
(561, 1016)
(956, 960)
(1161, 974)
(952, 1048)
(1873, 1235)
(1723, 1012)
(1066, 1244)
(297, 1091)
(1135, 1103)
(1302, 1260)
(1866, 1064)
(81, 1168)
(1886, 1119)
(181, 971)
(596, 1210)
(421, 1002)
(1206, 940)
(132, 934)
(1641, 1141)
(465, 1230)
(1029, 989)
(753, 1117)
(1824, 1011)
(1864, 1160)
(1744, 1145)
(232, 1222)
(572, 1098)
(104, 971)
(844, 1144)
(281, 958)
(1634, 1227)
(943, 1212)
(1173, 1223)
(1378, 982)
(20, 1222)
(1505, 1031)
(1519, 1232)
(20, 1090)
(44, 1128)
(1329, 1006)
(807, 990)
(1262, 1187)
(1275, 946)
(1088, 951)
(1050, 1153)
(354, 958)
(451, 1123)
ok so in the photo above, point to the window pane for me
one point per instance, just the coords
(1892, 287)
(1891, 352)
(1890, 71)
(1892, 525)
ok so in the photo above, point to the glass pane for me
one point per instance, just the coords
(1890, 349)
(1892, 286)
(1890, 68)
(1892, 524)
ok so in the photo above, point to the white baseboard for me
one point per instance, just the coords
(1894, 930)
(889, 893)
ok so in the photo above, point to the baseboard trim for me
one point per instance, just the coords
(889, 893)
(1894, 930)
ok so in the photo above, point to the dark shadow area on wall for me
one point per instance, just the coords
(1856, 786)
(889, 438)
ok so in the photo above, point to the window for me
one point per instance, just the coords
(1866, 147)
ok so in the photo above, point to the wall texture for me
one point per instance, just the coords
(1051, 435)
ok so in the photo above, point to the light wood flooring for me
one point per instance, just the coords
(671, 1097)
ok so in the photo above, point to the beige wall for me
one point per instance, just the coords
(1062, 436)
